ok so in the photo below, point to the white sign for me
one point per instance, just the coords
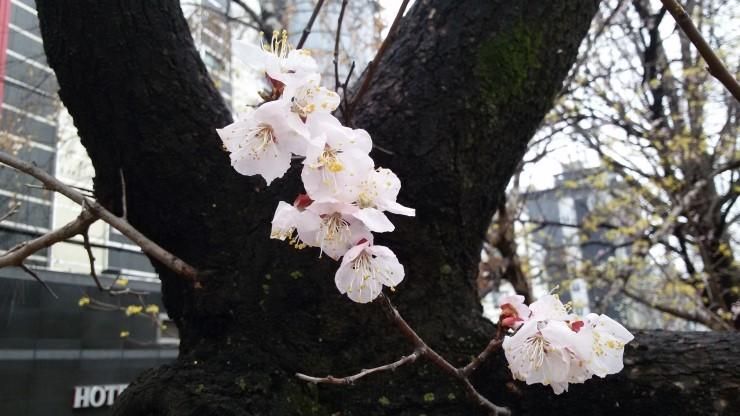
(97, 396)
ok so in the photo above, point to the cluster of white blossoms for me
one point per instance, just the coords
(346, 195)
(554, 347)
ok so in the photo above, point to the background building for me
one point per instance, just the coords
(560, 249)
(72, 354)
(28, 125)
(52, 350)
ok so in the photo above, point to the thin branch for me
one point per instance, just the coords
(45, 188)
(436, 359)
(12, 211)
(351, 379)
(492, 346)
(307, 29)
(343, 103)
(252, 15)
(18, 254)
(376, 61)
(148, 246)
(708, 321)
(124, 202)
(38, 279)
(421, 349)
(336, 45)
(714, 64)
(90, 257)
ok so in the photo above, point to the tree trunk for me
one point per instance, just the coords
(456, 98)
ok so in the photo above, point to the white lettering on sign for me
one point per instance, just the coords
(96, 396)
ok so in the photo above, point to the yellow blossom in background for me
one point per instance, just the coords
(125, 334)
(152, 309)
(133, 310)
(121, 281)
(83, 301)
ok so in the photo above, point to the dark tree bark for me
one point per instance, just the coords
(456, 99)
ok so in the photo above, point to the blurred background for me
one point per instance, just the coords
(625, 203)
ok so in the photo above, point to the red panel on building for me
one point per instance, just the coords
(4, 18)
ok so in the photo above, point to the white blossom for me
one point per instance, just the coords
(538, 353)
(555, 348)
(346, 197)
(332, 228)
(307, 97)
(336, 161)
(278, 59)
(365, 269)
(608, 340)
(262, 142)
(285, 220)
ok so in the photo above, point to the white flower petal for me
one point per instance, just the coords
(235, 134)
(254, 56)
(374, 220)
(301, 61)
(396, 208)
(392, 272)
(269, 162)
(364, 271)
(549, 307)
(285, 221)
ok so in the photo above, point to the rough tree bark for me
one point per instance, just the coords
(456, 99)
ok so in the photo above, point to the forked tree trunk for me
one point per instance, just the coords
(455, 99)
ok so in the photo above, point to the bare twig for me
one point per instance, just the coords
(336, 45)
(148, 246)
(307, 29)
(38, 279)
(351, 379)
(12, 211)
(711, 320)
(45, 188)
(437, 359)
(18, 254)
(376, 61)
(91, 258)
(124, 202)
(483, 356)
(421, 349)
(343, 103)
(258, 21)
(714, 64)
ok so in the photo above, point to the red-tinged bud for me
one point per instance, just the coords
(362, 241)
(511, 322)
(509, 316)
(576, 325)
(302, 201)
(508, 310)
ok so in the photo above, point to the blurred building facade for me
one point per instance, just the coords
(73, 353)
(58, 356)
(562, 249)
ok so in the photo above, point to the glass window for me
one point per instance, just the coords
(25, 20)
(26, 46)
(30, 101)
(24, 126)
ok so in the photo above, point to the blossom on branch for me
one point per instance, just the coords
(365, 270)
(555, 348)
(513, 311)
(278, 60)
(263, 142)
(346, 195)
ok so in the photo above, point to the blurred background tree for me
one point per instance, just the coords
(643, 213)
